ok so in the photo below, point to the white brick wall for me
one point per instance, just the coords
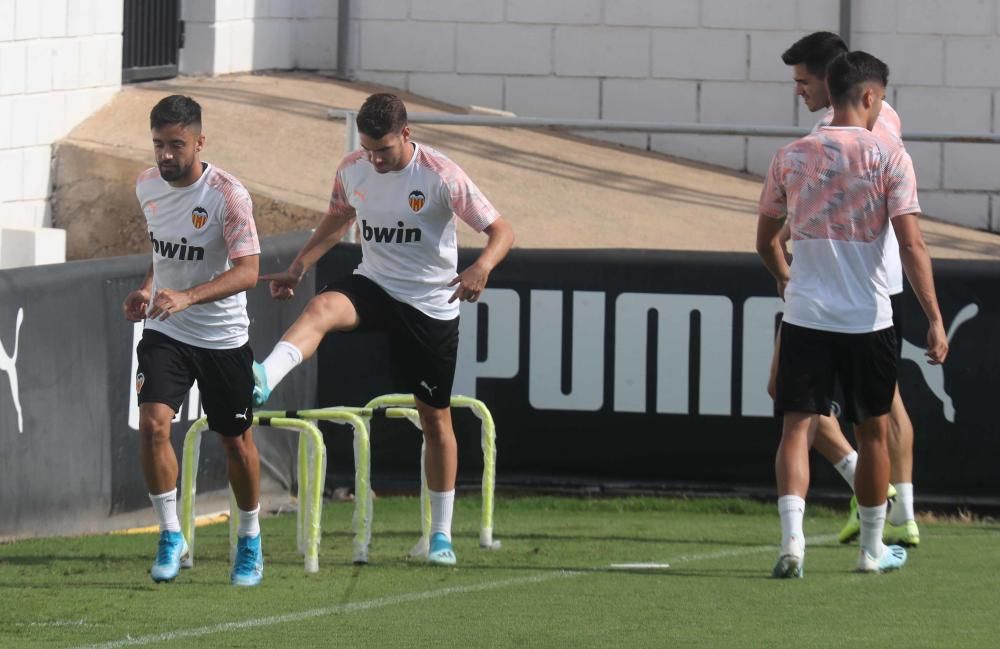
(721, 54)
(553, 97)
(949, 17)
(60, 60)
(417, 47)
(712, 61)
(601, 52)
(459, 89)
(504, 49)
(642, 13)
(557, 12)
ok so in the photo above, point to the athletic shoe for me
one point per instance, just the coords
(248, 568)
(852, 528)
(893, 558)
(261, 391)
(441, 552)
(169, 551)
(907, 534)
(790, 562)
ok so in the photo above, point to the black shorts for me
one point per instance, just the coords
(812, 361)
(168, 368)
(423, 350)
(897, 322)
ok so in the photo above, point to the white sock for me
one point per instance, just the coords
(442, 506)
(846, 466)
(165, 505)
(792, 509)
(249, 524)
(284, 358)
(902, 508)
(872, 523)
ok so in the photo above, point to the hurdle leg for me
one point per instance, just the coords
(189, 485)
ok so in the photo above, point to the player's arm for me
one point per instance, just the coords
(338, 220)
(771, 249)
(917, 266)
(241, 277)
(472, 280)
(771, 231)
(137, 301)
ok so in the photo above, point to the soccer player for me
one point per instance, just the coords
(842, 189)
(808, 58)
(406, 196)
(205, 255)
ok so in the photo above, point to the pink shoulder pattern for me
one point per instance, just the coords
(467, 202)
(239, 228)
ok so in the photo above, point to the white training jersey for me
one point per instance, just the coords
(839, 188)
(888, 128)
(409, 242)
(195, 232)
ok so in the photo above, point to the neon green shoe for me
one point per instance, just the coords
(852, 528)
(907, 534)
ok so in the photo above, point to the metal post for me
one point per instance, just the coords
(344, 41)
(351, 144)
(845, 21)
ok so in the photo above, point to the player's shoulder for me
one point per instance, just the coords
(149, 174)
(432, 160)
(225, 182)
(352, 159)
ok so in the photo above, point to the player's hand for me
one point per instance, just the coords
(471, 283)
(167, 302)
(282, 284)
(135, 304)
(937, 344)
(782, 285)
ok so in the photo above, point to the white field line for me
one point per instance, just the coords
(404, 598)
(340, 609)
(722, 554)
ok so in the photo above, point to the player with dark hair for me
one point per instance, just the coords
(841, 190)
(809, 57)
(406, 197)
(205, 256)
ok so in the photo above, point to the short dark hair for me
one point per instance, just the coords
(816, 51)
(175, 109)
(848, 72)
(381, 113)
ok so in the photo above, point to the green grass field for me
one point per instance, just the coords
(551, 585)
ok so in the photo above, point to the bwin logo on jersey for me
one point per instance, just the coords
(180, 251)
(199, 217)
(417, 200)
(398, 234)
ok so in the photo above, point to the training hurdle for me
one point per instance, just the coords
(401, 406)
(311, 472)
(488, 444)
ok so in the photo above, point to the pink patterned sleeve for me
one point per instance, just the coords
(239, 228)
(902, 184)
(339, 206)
(773, 201)
(460, 193)
(339, 203)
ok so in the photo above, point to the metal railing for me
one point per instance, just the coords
(615, 126)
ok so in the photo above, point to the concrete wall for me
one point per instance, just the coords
(710, 61)
(60, 60)
(224, 36)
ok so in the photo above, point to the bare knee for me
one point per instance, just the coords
(154, 427)
(237, 447)
(331, 311)
(435, 422)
